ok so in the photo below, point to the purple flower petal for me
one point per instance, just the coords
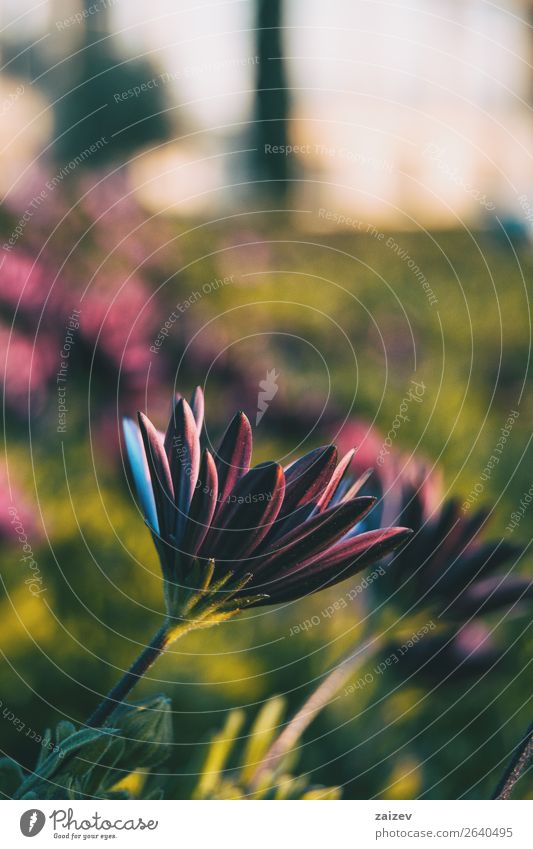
(171, 429)
(313, 537)
(247, 514)
(464, 570)
(233, 456)
(184, 461)
(356, 486)
(454, 537)
(345, 559)
(330, 490)
(203, 506)
(197, 407)
(491, 594)
(308, 477)
(295, 531)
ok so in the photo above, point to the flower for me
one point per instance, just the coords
(250, 536)
(447, 573)
(446, 566)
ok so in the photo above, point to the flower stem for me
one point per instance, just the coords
(164, 636)
(521, 757)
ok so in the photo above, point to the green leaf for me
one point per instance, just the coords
(11, 777)
(146, 729)
(87, 759)
(262, 733)
(99, 780)
(64, 729)
(218, 754)
(56, 759)
(82, 739)
(45, 747)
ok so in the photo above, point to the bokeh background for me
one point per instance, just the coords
(205, 192)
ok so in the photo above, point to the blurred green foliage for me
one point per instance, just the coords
(339, 315)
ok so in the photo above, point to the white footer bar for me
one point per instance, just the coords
(269, 825)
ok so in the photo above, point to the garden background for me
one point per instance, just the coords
(341, 197)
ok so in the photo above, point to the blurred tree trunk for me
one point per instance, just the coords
(92, 90)
(97, 25)
(271, 101)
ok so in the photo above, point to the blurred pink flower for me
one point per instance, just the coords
(25, 372)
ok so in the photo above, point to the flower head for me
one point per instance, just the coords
(454, 577)
(229, 535)
(446, 565)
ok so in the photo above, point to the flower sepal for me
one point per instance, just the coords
(207, 600)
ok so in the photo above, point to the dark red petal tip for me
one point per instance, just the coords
(197, 407)
(314, 537)
(234, 453)
(308, 477)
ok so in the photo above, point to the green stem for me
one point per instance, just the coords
(160, 641)
(520, 760)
